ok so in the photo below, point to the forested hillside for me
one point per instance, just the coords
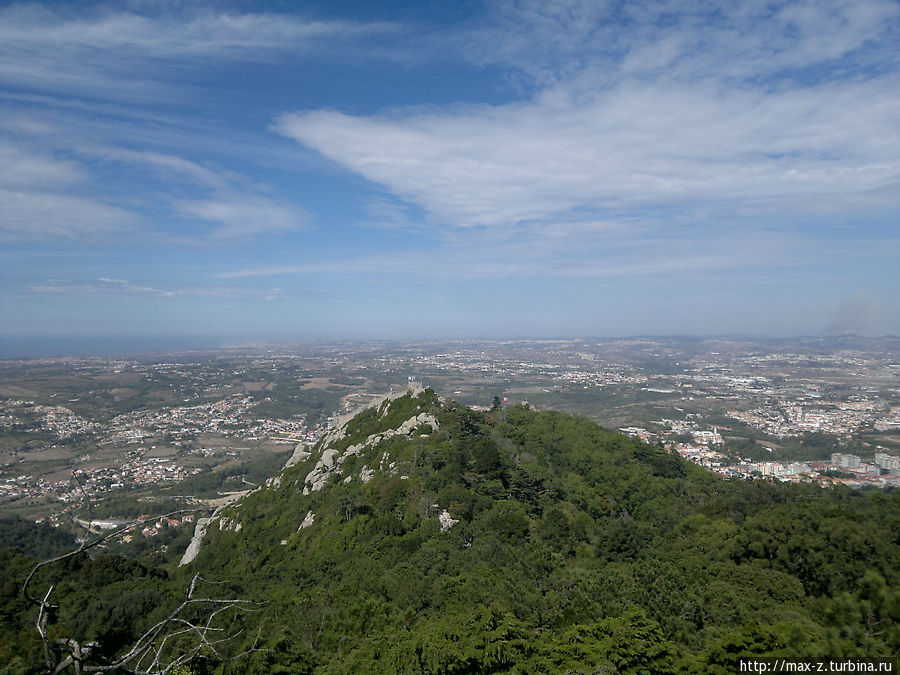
(424, 537)
(38, 539)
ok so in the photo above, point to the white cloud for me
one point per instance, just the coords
(132, 56)
(124, 287)
(563, 40)
(164, 163)
(20, 167)
(565, 250)
(244, 215)
(40, 198)
(44, 197)
(241, 36)
(636, 144)
(239, 206)
(728, 107)
(31, 214)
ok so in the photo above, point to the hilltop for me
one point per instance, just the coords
(422, 536)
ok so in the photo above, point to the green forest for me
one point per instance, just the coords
(510, 541)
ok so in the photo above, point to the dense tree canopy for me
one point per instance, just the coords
(574, 549)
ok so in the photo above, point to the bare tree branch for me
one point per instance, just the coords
(156, 651)
(86, 498)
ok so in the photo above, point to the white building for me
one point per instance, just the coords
(886, 461)
(844, 461)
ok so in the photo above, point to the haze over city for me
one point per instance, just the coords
(231, 172)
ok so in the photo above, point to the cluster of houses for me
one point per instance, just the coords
(842, 468)
(151, 530)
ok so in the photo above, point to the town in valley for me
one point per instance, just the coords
(195, 427)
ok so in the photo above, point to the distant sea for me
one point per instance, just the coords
(36, 347)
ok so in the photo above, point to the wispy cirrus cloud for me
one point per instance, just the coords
(548, 150)
(693, 106)
(631, 146)
(44, 197)
(40, 198)
(32, 214)
(588, 250)
(235, 205)
(122, 287)
(421, 265)
(131, 56)
(600, 42)
(240, 36)
(21, 167)
(121, 154)
(164, 164)
(240, 215)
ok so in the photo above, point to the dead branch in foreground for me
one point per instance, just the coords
(199, 626)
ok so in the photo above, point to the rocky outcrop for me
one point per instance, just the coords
(446, 521)
(301, 452)
(229, 525)
(307, 521)
(194, 547)
(315, 480)
(406, 429)
(203, 524)
(330, 462)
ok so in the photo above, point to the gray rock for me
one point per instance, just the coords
(301, 452)
(307, 521)
(193, 548)
(446, 521)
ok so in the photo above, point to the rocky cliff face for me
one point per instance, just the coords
(203, 524)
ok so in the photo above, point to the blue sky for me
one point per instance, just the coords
(271, 171)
